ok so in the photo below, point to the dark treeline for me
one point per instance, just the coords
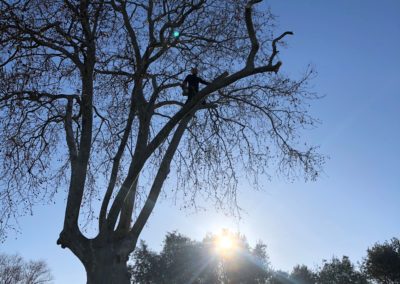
(183, 260)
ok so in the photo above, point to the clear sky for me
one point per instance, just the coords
(354, 45)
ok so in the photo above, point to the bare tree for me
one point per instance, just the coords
(90, 97)
(14, 270)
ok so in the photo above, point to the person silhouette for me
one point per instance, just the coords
(191, 84)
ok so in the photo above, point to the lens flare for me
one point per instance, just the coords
(225, 243)
(176, 33)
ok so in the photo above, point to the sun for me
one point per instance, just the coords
(225, 243)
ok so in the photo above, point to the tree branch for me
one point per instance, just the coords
(116, 164)
(69, 132)
(275, 50)
(251, 32)
(161, 175)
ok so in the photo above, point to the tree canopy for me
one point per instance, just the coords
(382, 262)
(183, 260)
(340, 271)
(87, 89)
(301, 274)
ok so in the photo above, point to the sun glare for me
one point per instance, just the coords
(225, 243)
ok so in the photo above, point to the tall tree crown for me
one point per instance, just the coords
(90, 97)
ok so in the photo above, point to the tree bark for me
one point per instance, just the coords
(106, 267)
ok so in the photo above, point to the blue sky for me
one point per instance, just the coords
(354, 46)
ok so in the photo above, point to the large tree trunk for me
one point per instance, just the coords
(105, 267)
(104, 257)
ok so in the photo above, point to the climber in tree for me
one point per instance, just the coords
(191, 84)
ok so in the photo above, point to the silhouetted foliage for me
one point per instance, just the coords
(301, 274)
(186, 261)
(341, 271)
(15, 270)
(147, 265)
(279, 277)
(183, 260)
(383, 262)
(246, 265)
